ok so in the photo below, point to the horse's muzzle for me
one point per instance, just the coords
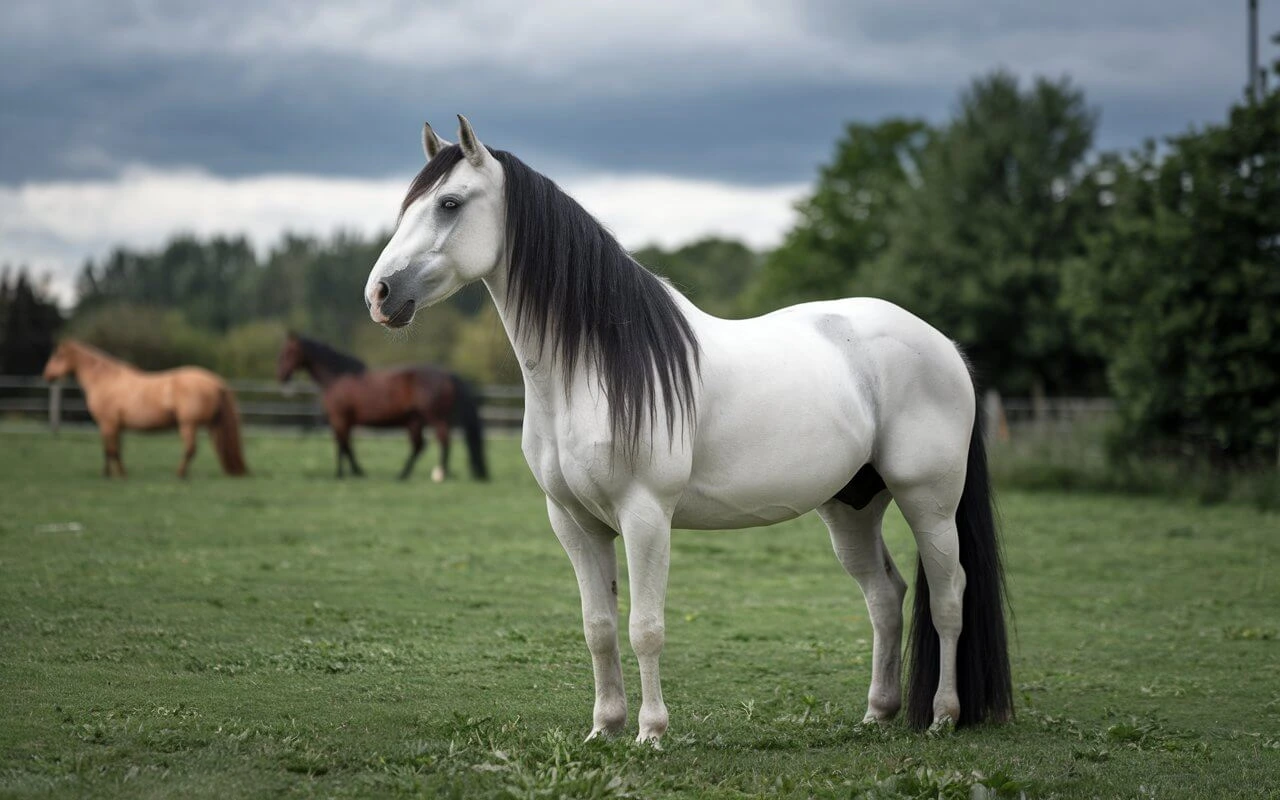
(379, 299)
(402, 317)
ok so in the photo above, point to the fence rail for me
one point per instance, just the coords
(268, 403)
(298, 405)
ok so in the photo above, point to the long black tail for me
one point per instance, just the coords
(982, 659)
(467, 413)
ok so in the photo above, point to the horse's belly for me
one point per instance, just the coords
(157, 413)
(705, 512)
(149, 420)
(769, 451)
(765, 486)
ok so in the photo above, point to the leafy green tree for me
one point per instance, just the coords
(250, 350)
(845, 225)
(1181, 291)
(149, 338)
(482, 352)
(713, 272)
(431, 339)
(29, 323)
(979, 244)
(211, 283)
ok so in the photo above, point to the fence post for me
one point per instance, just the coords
(994, 423)
(55, 405)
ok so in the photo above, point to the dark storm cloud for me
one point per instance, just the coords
(338, 90)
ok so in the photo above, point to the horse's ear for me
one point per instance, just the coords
(471, 146)
(431, 143)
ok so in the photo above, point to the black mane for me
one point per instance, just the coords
(571, 284)
(335, 361)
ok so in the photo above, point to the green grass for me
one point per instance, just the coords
(293, 635)
(1083, 461)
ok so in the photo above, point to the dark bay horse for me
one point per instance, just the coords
(408, 397)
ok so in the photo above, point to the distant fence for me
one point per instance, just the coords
(297, 405)
(262, 403)
(1019, 417)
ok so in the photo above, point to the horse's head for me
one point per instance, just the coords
(61, 363)
(290, 358)
(451, 229)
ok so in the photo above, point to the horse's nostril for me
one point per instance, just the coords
(381, 291)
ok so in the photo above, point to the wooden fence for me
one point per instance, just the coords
(1023, 417)
(297, 405)
(262, 403)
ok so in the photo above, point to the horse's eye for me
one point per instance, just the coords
(449, 203)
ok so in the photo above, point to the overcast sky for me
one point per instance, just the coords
(123, 122)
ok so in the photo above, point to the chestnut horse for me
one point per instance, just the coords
(120, 395)
(409, 397)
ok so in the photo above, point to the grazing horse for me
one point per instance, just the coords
(407, 397)
(120, 396)
(643, 414)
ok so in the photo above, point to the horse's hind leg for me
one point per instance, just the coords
(415, 447)
(441, 471)
(855, 535)
(188, 431)
(930, 509)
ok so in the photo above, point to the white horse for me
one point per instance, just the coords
(643, 414)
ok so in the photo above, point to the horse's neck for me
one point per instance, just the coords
(92, 368)
(535, 374)
(543, 380)
(322, 374)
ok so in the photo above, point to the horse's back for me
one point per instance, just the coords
(793, 403)
(154, 400)
(386, 397)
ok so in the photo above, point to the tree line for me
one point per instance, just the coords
(1149, 275)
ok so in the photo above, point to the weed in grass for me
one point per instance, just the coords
(1242, 633)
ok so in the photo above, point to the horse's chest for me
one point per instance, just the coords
(574, 476)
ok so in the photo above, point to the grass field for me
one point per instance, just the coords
(293, 635)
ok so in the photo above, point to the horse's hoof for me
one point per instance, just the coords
(601, 733)
(882, 708)
(437, 475)
(943, 726)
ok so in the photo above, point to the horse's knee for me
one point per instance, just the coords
(601, 633)
(648, 635)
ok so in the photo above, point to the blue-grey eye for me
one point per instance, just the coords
(450, 203)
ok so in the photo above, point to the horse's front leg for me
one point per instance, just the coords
(416, 444)
(591, 550)
(188, 433)
(111, 451)
(647, 539)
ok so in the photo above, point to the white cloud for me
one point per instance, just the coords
(55, 226)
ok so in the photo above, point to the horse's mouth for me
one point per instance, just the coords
(401, 317)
